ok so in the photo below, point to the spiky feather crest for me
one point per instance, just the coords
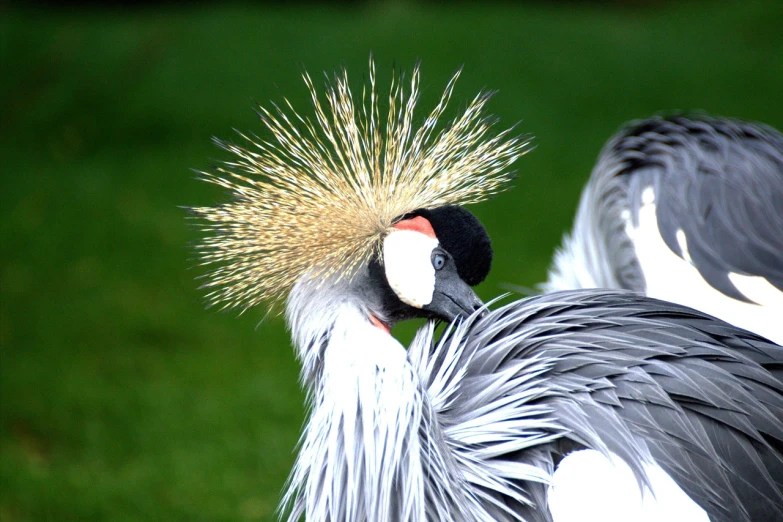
(320, 195)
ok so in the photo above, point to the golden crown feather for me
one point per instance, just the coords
(320, 195)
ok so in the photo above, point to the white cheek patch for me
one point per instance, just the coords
(408, 264)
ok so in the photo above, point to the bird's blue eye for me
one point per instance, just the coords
(438, 260)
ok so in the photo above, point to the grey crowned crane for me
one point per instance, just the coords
(686, 209)
(589, 405)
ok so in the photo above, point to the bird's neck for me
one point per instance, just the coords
(360, 456)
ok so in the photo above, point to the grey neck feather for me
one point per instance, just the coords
(367, 452)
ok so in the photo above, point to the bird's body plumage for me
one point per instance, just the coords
(645, 380)
(476, 424)
(688, 210)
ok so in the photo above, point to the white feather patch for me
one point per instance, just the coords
(672, 278)
(760, 291)
(409, 271)
(589, 487)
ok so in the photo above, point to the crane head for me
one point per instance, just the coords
(429, 262)
(322, 197)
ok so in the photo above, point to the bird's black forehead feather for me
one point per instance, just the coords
(463, 236)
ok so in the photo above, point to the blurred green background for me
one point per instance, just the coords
(122, 397)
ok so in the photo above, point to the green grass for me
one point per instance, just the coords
(122, 399)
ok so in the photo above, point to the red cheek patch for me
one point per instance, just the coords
(417, 224)
(378, 324)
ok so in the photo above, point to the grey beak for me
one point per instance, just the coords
(453, 298)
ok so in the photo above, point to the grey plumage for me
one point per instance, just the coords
(479, 421)
(638, 377)
(718, 193)
(718, 180)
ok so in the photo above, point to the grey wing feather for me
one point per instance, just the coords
(720, 181)
(645, 379)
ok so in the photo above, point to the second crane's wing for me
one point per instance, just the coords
(718, 183)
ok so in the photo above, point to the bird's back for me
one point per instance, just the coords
(643, 379)
(719, 182)
(688, 210)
